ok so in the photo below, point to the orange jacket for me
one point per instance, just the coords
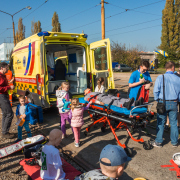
(9, 76)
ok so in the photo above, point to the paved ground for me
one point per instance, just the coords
(143, 164)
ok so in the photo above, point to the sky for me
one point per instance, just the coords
(135, 23)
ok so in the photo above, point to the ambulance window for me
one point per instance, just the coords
(41, 58)
(100, 57)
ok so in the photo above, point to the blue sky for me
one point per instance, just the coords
(139, 26)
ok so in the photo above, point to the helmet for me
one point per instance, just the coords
(176, 158)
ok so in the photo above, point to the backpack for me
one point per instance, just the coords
(61, 101)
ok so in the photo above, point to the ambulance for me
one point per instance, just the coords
(39, 72)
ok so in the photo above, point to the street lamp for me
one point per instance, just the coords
(12, 15)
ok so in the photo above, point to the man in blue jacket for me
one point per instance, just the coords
(172, 97)
(23, 111)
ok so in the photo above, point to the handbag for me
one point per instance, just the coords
(161, 107)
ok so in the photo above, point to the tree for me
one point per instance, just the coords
(36, 27)
(170, 38)
(20, 33)
(32, 27)
(39, 29)
(123, 55)
(55, 23)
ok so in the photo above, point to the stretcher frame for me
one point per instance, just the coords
(103, 114)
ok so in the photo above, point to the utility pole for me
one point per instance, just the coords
(102, 19)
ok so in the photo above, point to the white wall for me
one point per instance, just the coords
(5, 48)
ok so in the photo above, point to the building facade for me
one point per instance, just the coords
(5, 51)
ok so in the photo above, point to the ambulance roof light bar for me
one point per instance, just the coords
(43, 33)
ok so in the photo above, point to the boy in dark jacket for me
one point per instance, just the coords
(24, 112)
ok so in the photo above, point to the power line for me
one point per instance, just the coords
(76, 14)
(128, 26)
(34, 10)
(125, 10)
(130, 31)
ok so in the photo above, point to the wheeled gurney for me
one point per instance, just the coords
(136, 117)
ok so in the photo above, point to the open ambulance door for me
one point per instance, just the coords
(44, 74)
(101, 64)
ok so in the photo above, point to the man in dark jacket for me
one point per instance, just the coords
(7, 113)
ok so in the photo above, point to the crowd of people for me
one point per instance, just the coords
(166, 90)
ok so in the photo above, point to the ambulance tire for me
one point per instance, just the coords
(30, 99)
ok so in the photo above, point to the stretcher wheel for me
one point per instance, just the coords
(86, 133)
(103, 129)
(128, 151)
(146, 145)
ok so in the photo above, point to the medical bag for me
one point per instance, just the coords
(37, 114)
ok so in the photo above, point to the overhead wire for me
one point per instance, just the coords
(127, 26)
(125, 10)
(77, 14)
(130, 31)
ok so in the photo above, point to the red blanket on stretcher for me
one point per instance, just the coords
(34, 171)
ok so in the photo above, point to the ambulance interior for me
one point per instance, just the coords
(73, 69)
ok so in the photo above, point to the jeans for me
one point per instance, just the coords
(7, 113)
(171, 109)
(26, 126)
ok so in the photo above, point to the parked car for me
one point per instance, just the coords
(122, 67)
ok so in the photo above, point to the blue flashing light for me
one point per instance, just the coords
(85, 35)
(43, 33)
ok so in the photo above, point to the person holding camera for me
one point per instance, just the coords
(7, 113)
(167, 103)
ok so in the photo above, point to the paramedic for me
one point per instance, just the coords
(112, 162)
(135, 82)
(172, 97)
(4, 102)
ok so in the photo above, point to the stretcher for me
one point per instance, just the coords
(118, 118)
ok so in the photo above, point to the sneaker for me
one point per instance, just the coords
(156, 144)
(7, 136)
(175, 145)
(17, 140)
(76, 144)
(129, 103)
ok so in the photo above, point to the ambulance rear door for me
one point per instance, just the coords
(101, 64)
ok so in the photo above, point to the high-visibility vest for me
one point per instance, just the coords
(9, 76)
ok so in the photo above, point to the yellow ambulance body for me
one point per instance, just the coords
(38, 73)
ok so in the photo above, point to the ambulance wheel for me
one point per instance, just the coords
(103, 129)
(86, 133)
(146, 145)
(128, 151)
(121, 70)
(30, 99)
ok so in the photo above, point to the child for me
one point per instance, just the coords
(51, 161)
(24, 111)
(62, 93)
(76, 116)
(100, 87)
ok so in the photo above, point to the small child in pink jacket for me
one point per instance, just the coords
(76, 116)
